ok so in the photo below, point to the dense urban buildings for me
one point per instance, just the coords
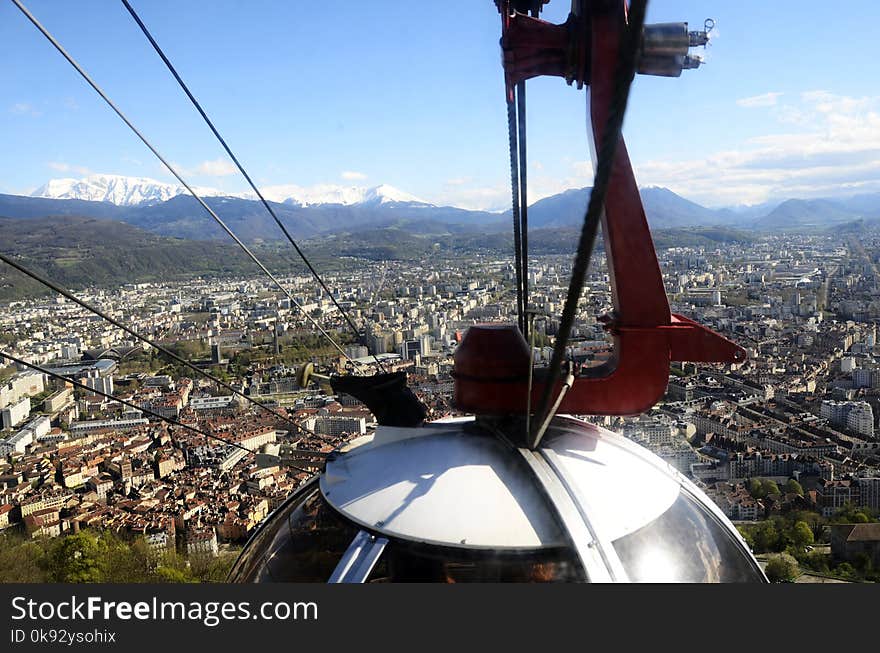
(803, 406)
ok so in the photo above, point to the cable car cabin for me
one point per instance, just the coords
(456, 501)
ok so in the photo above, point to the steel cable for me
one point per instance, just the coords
(244, 173)
(69, 295)
(624, 74)
(124, 402)
(143, 139)
(515, 193)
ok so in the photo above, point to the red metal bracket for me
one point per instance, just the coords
(532, 47)
(646, 336)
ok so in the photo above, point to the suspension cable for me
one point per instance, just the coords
(174, 172)
(523, 201)
(515, 208)
(124, 402)
(626, 67)
(244, 173)
(76, 300)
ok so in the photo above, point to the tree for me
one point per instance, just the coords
(756, 488)
(22, 561)
(770, 488)
(124, 562)
(172, 575)
(863, 563)
(850, 514)
(747, 536)
(816, 561)
(76, 558)
(765, 536)
(213, 570)
(781, 568)
(793, 487)
(845, 570)
(801, 535)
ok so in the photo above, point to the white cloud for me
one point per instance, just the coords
(351, 175)
(60, 166)
(462, 192)
(582, 169)
(216, 168)
(832, 147)
(493, 197)
(826, 102)
(24, 109)
(764, 100)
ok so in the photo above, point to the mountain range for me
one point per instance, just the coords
(137, 191)
(165, 210)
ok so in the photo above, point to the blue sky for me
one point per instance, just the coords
(411, 95)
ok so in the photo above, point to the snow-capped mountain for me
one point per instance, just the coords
(134, 191)
(119, 190)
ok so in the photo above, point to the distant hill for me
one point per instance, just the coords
(392, 243)
(20, 206)
(868, 204)
(806, 214)
(183, 217)
(76, 252)
(663, 208)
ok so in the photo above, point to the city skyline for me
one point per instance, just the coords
(786, 435)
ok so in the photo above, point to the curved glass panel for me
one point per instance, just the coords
(404, 562)
(305, 539)
(301, 542)
(685, 544)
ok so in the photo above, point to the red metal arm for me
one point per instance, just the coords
(646, 336)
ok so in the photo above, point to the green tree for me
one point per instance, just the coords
(815, 521)
(756, 488)
(781, 568)
(22, 561)
(816, 561)
(765, 536)
(770, 488)
(213, 570)
(76, 558)
(851, 514)
(172, 575)
(747, 536)
(863, 563)
(846, 570)
(793, 487)
(124, 562)
(801, 534)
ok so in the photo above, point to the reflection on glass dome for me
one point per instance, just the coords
(483, 516)
(684, 545)
(305, 539)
